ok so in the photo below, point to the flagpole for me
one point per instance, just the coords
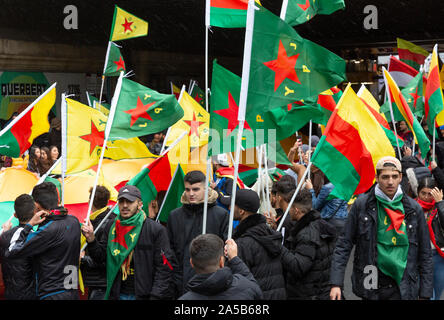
(173, 144)
(104, 68)
(284, 9)
(259, 169)
(13, 122)
(391, 111)
(64, 119)
(309, 144)
(207, 27)
(294, 196)
(207, 189)
(107, 131)
(267, 187)
(433, 149)
(242, 103)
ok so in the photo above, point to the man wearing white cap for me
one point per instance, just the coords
(393, 258)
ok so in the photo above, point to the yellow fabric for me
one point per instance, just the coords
(352, 110)
(435, 64)
(14, 182)
(136, 27)
(101, 108)
(194, 114)
(39, 114)
(367, 96)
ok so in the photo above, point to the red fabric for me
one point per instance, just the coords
(229, 172)
(160, 173)
(426, 206)
(397, 217)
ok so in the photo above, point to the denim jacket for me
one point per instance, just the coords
(332, 208)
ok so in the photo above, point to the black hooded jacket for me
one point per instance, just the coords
(260, 247)
(308, 258)
(234, 282)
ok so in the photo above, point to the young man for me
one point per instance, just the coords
(186, 223)
(393, 255)
(54, 247)
(18, 273)
(94, 274)
(214, 281)
(258, 245)
(136, 250)
(310, 248)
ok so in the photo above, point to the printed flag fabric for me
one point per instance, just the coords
(228, 13)
(126, 26)
(411, 54)
(114, 61)
(301, 11)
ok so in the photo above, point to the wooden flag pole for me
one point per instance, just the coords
(107, 131)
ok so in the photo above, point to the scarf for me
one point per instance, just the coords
(122, 240)
(392, 239)
(430, 211)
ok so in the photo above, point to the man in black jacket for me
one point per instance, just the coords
(186, 223)
(136, 250)
(308, 250)
(385, 210)
(94, 274)
(214, 281)
(54, 247)
(18, 274)
(258, 245)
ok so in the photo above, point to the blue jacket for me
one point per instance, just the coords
(329, 208)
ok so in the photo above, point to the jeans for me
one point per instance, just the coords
(124, 296)
(438, 275)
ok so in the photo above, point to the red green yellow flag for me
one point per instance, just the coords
(411, 54)
(434, 100)
(18, 136)
(350, 147)
(397, 99)
(228, 13)
(126, 26)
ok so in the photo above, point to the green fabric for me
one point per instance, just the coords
(122, 239)
(6, 210)
(147, 189)
(301, 11)
(413, 88)
(225, 94)
(173, 195)
(392, 244)
(436, 105)
(9, 145)
(228, 18)
(199, 95)
(115, 62)
(92, 98)
(141, 111)
(285, 67)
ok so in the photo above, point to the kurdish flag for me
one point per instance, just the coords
(373, 106)
(126, 26)
(434, 101)
(114, 62)
(350, 147)
(18, 135)
(173, 195)
(285, 67)
(141, 111)
(227, 13)
(153, 178)
(411, 54)
(396, 98)
(414, 94)
(300, 11)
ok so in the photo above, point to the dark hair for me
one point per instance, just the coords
(24, 207)
(387, 164)
(52, 147)
(160, 196)
(205, 252)
(303, 199)
(32, 157)
(43, 164)
(285, 185)
(195, 176)
(427, 182)
(101, 197)
(46, 195)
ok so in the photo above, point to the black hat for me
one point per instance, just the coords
(246, 199)
(130, 193)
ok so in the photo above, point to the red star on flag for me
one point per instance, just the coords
(283, 66)
(120, 64)
(197, 98)
(396, 217)
(231, 114)
(305, 6)
(120, 233)
(95, 138)
(127, 26)
(415, 96)
(194, 125)
(140, 111)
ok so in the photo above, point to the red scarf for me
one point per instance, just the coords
(427, 208)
